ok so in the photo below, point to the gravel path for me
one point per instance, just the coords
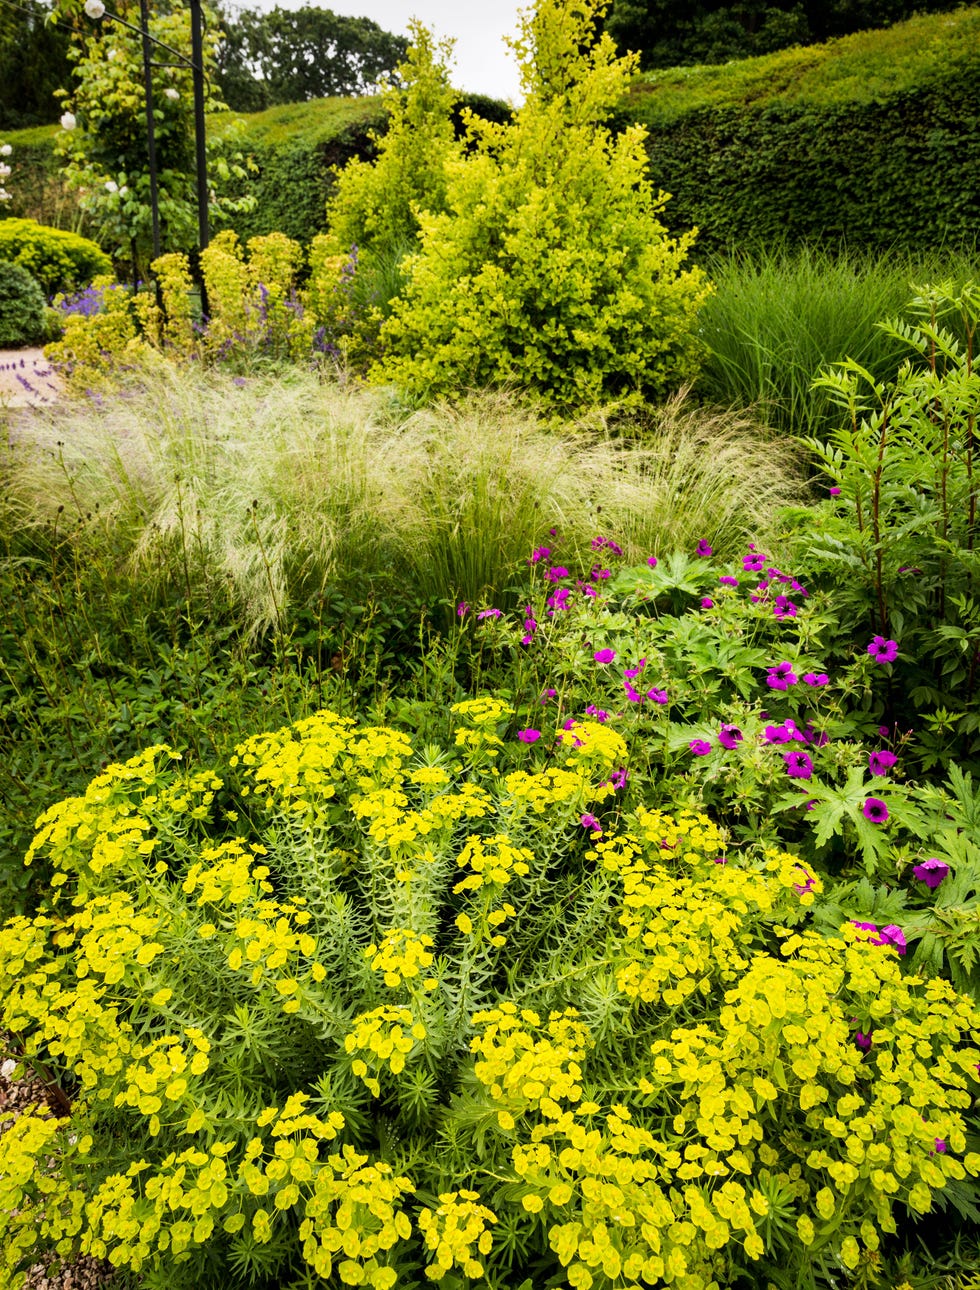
(26, 379)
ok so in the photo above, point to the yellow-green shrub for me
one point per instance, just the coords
(299, 999)
(548, 267)
(59, 260)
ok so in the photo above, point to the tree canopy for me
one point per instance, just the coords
(670, 33)
(289, 56)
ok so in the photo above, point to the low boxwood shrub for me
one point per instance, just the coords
(22, 320)
(361, 1009)
(59, 260)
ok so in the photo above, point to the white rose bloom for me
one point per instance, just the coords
(5, 150)
(94, 8)
(4, 195)
(68, 121)
(4, 171)
(8, 1068)
(124, 190)
(111, 186)
(171, 93)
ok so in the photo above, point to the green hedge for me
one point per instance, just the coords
(873, 139)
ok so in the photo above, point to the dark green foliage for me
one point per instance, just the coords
(668, 33)
(33, 64)
(60, 261)
(21, 307)
(872, 140)
(289, 56)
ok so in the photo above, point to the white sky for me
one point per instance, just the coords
(483, 63)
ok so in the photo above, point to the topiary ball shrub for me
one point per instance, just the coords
(22, 307)
(355, 1012)
(59, 260)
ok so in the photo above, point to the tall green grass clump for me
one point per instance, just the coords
(274, 491)
(779, 317)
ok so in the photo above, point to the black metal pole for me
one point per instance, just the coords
(197, 67)
(150, 132)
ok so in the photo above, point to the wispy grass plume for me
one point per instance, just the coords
(277, 489)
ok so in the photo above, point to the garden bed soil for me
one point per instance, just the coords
(27, 379)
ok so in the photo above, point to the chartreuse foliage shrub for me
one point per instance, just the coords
(549, 268)
(379, 1013)
(870, 139)
(59, 260)
(21, 306)
(377, 203)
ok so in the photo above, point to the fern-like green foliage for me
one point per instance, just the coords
(548, 266)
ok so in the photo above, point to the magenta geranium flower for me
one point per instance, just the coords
(590, 822)
(727, 580)
(881, 761)
(777, 735)
(462, 609)
(781, 677)
(931, 872)
(816, 678)
(604, 655)
(754, 563)
(528, 736)
(893, 935)
(539, 553)
(835, 492)
(632, 672)
(863, 1040)
(707, 602)
(702, 548)
(700, 747)
(798, 765)
(652, 561)
(883, 651)
(875, 810)
(489, 613)
(730, 736)
(658, 696)
(599, 713)
(783, 607)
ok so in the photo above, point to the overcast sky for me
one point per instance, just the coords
(483, 63)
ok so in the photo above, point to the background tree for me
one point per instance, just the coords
(33, 64)
(670, 33)
(289, 56)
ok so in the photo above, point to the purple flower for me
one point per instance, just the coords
(835, 492)
(462, 609)
(539, 553)
(548, 694)
(702, 548)
(488, 613)
(699, 747)
(783, 607)
(559, 598)
(619, 777)
(658, 696)
(781, 677)
(754, 563)
(604, 655)
(875, 810)
(931, 872)
(730, 736)
(798, 765)
(556, 573)
(632, 672)
(883, 731)
(528, 736)
(652, 561)
(883, 651)
(940, 1147)
(863, 1040)
(777, 735)
(893, 935)
(707, 602)
(590, 822)
(599, 714)
(881, 761)
(816, 678)
(634, 696)
(867, 927)
(727, 580)
(802, 887)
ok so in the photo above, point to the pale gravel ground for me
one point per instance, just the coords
(26, 379)
(82, 1274)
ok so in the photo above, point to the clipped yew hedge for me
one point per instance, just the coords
(872, 140)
